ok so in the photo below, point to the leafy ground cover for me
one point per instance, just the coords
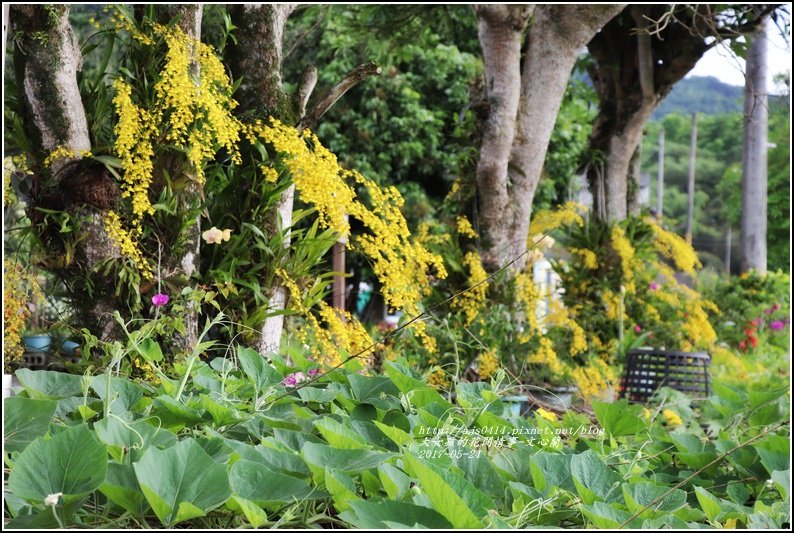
(237, 442)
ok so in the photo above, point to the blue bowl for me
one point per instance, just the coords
(37, 343)
(68, 347)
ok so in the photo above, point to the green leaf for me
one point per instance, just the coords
(175, 414)
(638, 496)
(258, 483)
(782, 481)
(400, 437)
(619, 418)
(124, 394)
(341, 488)
(122, 488)
(258, 370)
(24, 420)
(150, 350)
(135, 437)
(709, 503)
(593, 478)
(317, 395)
(73, 462)
(181, 481)
(348, 461)
(551, 470)
(604, 516)
(375, 515)
(445, 499)
(374, 390)
(338, 435)
(395, 482)
(222, 415)
(49, 385)
(253, 513)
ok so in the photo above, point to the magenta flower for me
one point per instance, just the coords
(313, 372)
(293, 379)
(777, 325)
(637, 329)
(160, 299)
(653, 286)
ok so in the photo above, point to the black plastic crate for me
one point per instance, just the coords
(647, 370)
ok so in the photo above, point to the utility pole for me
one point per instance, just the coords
(660, 179)
(754, 156)
(690, 209)
(728, 249)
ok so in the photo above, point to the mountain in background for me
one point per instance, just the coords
(706, 95)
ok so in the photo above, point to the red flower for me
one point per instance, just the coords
(753, 341)
(743, 345)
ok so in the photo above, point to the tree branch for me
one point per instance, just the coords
(305, 88)
(356, 76)
(644, 56)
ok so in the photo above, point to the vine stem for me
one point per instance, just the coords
(719, 458)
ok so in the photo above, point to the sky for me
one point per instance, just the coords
(722, 64)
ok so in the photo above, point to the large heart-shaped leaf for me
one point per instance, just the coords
(49, 385)
(24, 420)
(259, 372)
(258, 483)
(640, 498)
(619, 418)
(348, 461)
(73, 463)
(123, 392)
(458, 504)
(592, 478)
(182, 482)
(122, 488)
(378, 515)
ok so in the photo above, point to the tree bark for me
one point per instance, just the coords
(754, 157)
(639, 55)
(257, 60)
(46, 60)
(522, 130)
(188, 199)
(500, 29)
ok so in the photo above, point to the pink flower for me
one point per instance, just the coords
(637, 329)
(293, 379)
(313, 372)
(777, 325)
(160, 299)
(653, 286)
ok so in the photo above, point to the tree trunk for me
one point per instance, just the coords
(754, 157)
(46, 60)
(553, 43)
(633, 71)
(188, 199)
(500, 30)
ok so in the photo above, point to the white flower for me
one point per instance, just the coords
(216, 236)
(52, 499)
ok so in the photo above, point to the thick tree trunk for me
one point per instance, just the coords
(553, 43)
(500, 30)
(639, 56)
(46, 59)
(256, 58)
(189, 21)
(754, 157)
